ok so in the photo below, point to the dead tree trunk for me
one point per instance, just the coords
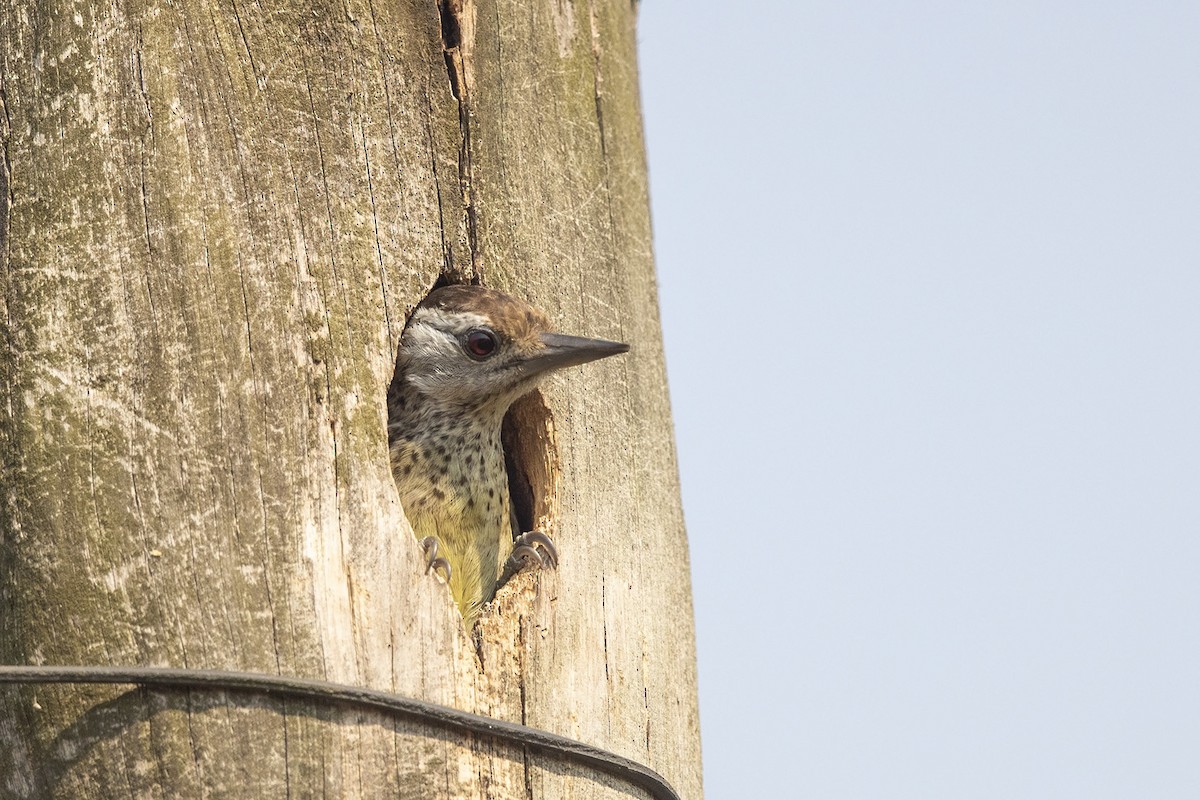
(214, 219)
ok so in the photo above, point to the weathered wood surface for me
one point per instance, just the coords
(215, 218)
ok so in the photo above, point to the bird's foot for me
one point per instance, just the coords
(433, 561)
(533, 549)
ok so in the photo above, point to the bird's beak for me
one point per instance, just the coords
(569, 351)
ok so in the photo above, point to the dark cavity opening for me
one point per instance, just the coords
(531, 458)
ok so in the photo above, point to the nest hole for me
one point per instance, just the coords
(531, 459)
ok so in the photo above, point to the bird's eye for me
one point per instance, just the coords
(480, 343)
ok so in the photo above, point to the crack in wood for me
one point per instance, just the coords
(7, 194)
(458, 34)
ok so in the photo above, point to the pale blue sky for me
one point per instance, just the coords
(930, 278)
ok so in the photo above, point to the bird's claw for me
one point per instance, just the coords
(433, 561)
(533, 549)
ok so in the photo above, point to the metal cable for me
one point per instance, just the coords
(307, 688)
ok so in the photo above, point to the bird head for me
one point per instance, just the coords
(473, 348)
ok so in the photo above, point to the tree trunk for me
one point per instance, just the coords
(214, 219)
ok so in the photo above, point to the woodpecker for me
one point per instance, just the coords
(466, 354)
